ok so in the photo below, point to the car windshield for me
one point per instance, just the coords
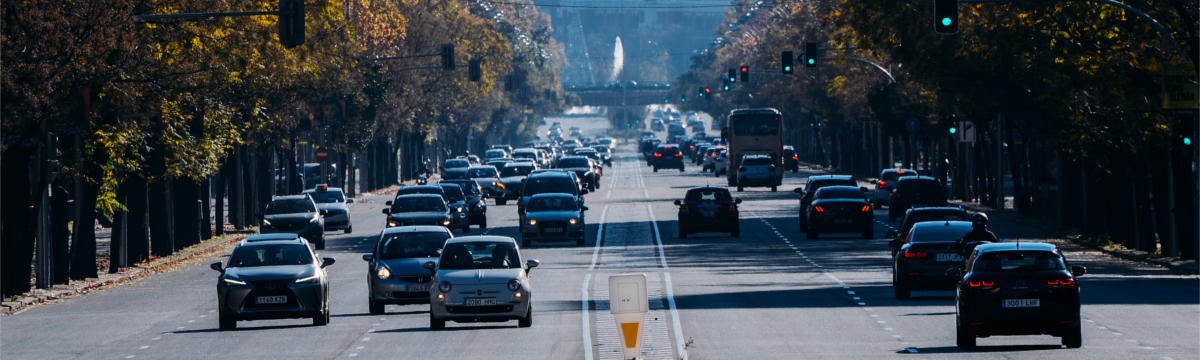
(290, 206)
(453, 193)
(468, 188)
(270, 255)
(481, 173)
(919, 185)
(420, 190)
(479, 255)
(757, 161)
(418, 204)
(412, 245)
(840, 193)
(570, 163)
(602, 149)
(670, 150)
(516, 171)
(755, 125)
(938, 234)
(325, 197)
(1018, 261)
(525, 155)
(708, 195)
(546, 185)
(457, 163)
(553, 203)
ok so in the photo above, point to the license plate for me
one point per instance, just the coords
(1016, 303)
(270, 300)
(552, 230)
(479, 301)
(948, 257)
(842, 221)
(416, 288)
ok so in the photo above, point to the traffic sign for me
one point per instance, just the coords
(933, 119)
(1179, 86)
(966, 132)
(913, 125)
(628, 302)
(322, 154)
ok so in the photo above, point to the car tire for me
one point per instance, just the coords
(375, 308)
(868, 234)
(466, 230)
(483, 223)
(965, 339)
(226, 323)
(526, 321)
(655, 169)
(795, 170)
(812, 234)
(525, 243)
(1073, 338)
(579, 242)
(320, 245)
(681, 168)
(500, 201)
(348, 230)
(435, 323)
(321, 319)
(740, 188)
(682, 232)
(901, 292)
(773, 187)
(737, 231)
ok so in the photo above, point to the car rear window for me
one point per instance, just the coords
(420, 190)
(291, 206)
(453, 192)
(457, 163)
(494, 153)
(467, 188)
(270, 255)
(840, 193)
(949, 215)
(418, 204)
(708, 195)
(669, 150)
(818, 184)
(1018, 261)
(515, 171)
(481, 173)
(412, 245)
(893, 175)
(757, 161)
(920, 185)
(571, 163)
(938, 234)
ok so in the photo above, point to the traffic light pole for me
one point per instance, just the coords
(202, 16)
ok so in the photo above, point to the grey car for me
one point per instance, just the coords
(512, 176)
(480, 279)
(272, 276)
(295, 214)
(333, 202)
(396, 272)
(488, 178)
(455, 168)
(418, 209)
(553, 217)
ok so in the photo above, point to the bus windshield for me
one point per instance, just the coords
(755, 125)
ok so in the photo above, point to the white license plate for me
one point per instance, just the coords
(479, 301)
(842, 221)
(416, 288)
(552, 230)
(1016, 303)
(270, 300)
(948, 257)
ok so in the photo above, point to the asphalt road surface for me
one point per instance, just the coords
(770, 294)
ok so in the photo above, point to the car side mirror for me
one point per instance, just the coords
(894, 243)
(677, 203)
(326, 261)
(531, 263)
(1076, 270)
(798, 191)
(216, 266)
(874, 182)
(584, 208)
(368, 257)
(386, 211)
(583, 192)
(737, 201)
(388, 203)
(955, 273)
(890, 234)
(350, 201)
(863, 188)
(432, 266)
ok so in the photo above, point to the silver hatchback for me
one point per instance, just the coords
(480, 279)
(395, 268)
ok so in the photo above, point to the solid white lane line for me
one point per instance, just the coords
(587, 331)
(599, 238)
(679, 348)
(657, 237)
(646, 193)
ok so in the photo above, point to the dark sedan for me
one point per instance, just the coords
(396, 272)
(815, 183)
(582, 168)
(919, 215)
(1018, 289)
(708, 209)
(474, 194)
(418, 209)
(840, 209)
(667, 157)
(933, 247)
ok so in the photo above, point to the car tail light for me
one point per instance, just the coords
(684, 209)
(1065, 282)
(866, 208)
(818, 209)
(910, 253)
(794, 157)
(982, 283)
(657, 154)
(678, 154)
(900, 172)
(732, 207)
(883, 184)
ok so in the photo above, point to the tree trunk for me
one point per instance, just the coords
(16, 248)
(60, 216)
(219, 219)
(139, 226)
(186, 213)
(83, 249)
(161, 243)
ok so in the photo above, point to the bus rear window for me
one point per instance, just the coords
(756, 125)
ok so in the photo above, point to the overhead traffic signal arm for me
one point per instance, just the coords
(291, 20)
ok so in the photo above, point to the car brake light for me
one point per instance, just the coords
(866, 208)
(657, 154)
(794, 157)
(678, 154)
(732, 207)
(684, 209)
(900, 172)
(910, 253)
(982, 283)
(883, 184)
(818, 209)
(1056, 283)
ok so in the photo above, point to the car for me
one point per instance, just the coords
(791, 161)
(708, 209)
(816, 182)
(1017, 289)
(657, 125)
(488, 178)
(840, 209)
(455, 168)
(667, 157)
(698, 156)
(459, 212)
(507, 148)
(498, 163)
(294, 214)
(333, 202)
(481, 279)
(421, 189)
(417, 209)
(549, 181)
(396, 273)
(553, 217)
(474, 200)
(527, 153)
(923, 214)
(605, 154)
(720, 162)
(757, 170)
(511, 178)
(709, 158)
(887, 182)
(582, 168)
(921, 263)
(915, 190)
(272, 276)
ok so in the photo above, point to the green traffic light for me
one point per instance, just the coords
(946, 21)
(787, 68)
(683, 100)
(812, 61)
(666, 101)
(953, 130)
(1187, 141)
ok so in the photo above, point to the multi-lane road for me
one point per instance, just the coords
(769, 294)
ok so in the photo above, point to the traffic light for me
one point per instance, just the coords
(447, 56)
(811, 53)
(945, 16)
(745, 74)
(953, 129)
(474, 72)
(732, 76)
(701, 91)
(682, 98)
(666, 101)
(725, 87)
(708, 94)
(787, 62)
(291, 25)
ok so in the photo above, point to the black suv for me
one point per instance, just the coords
(915, 190)
(815, 183)
(667, 156)
(840, 209)
(706, 209)
(295, 214)
(790, 160)
(917, 215)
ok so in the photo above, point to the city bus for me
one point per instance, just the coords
(754, 132)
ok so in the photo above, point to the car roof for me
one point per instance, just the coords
(550, 173)
(419, 195)
(400, 229)
(925, 224)
(519, 164)
(898, 170)
(481, 167)
(290, 197)
(935, 208)
(903, 178)
(574, 157)
(552, 195)
(1014, 246)
(829, 177)
(700, 188)
(843, 187)
(272, 237)
(326, 190)
(430, 187)
(755, 156)
(478, 238)
(754, 111)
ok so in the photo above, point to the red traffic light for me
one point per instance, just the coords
(745, 69)
(707, 90)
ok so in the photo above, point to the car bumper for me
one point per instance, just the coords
(990, 319)
(572, 233)
(395, 291)
(928, 277)
(337, 222)
(453, 308)
(832, 224)
(310, 232)
(700, 222)
(304, 300)
(756, 181)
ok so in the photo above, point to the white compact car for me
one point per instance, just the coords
(720, 163)
(480, 279)
(756, 170)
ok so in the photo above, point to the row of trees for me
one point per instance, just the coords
(1065, 99)
(144, 119)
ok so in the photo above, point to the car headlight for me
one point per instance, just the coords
(309, 279)
(572, 221)
(514, 285)
(495, 183)
(383, 273)
(266, 222)
(532, 222)
(392, 223)
(460, 209)
(446, 223)
(233, 282)
(444, 286)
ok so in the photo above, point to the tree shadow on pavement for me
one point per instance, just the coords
(980, 349)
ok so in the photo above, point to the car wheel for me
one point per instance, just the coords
(868, 234)
(737, 231)
(773, 187)
(901, 292)
(682, 232)
(526, 321)
(500, 201)
(320, 245)
(321, 319)
(483, 223)
(740, 188)
(579, 242)
(681, 169)
(655, 169)
(376, 308)
(226, 323)
(348, 230)
(1073, 338)
(795, 170)
(812, 234)
(525, 243)
(966, 340)
(435, 323)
